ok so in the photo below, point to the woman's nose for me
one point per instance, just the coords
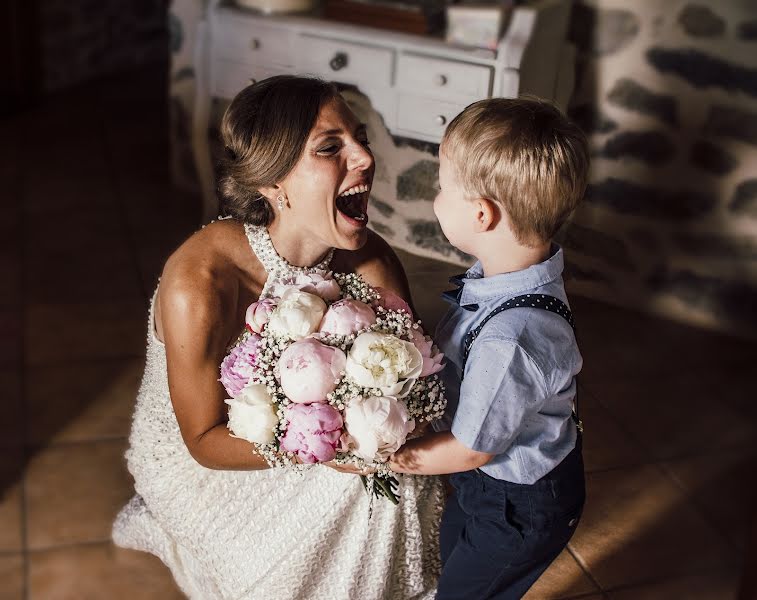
(361, 158)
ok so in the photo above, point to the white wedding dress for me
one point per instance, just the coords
(270, 534)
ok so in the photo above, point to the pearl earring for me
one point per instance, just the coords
(280, 201)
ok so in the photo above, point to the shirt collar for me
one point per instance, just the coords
(477, 289)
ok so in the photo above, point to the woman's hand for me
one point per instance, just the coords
(352, 469)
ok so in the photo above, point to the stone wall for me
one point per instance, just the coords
(82, 39)
(668, 93)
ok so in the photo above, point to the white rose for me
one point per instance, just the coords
(376, 426)
(297, 315)
(381, 360)
(252, 415)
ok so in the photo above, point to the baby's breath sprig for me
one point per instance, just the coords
(354, 286)
(426, 400)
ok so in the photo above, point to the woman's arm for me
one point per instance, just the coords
(197, 310)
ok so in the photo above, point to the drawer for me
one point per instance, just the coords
(240, 39)
(335, 60)
(229, 77)
(427, 116)
(439, 77)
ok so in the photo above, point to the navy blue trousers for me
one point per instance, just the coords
(498, 537)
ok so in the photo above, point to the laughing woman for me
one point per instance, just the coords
(295, 188)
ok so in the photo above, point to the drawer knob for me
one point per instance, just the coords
(255, 44)
(440, 79)
(440, 120)
(339, 61)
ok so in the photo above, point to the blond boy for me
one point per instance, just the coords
(511, 172)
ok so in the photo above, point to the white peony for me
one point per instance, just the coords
(297, 315)
(384, 361)
(252, 415)
(376, 427)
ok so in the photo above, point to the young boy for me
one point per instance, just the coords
(511, 172)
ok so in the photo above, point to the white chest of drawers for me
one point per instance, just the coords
(417, 83)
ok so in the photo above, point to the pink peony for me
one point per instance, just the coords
(238, 367)
(347, 316)
(309, 370)
(258, 313)
(313, 432)
(320, 283)
(432, 358)
(391, 301)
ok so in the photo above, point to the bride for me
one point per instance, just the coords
(295, 185)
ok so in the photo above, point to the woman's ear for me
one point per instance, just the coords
(271, 192)
(487, 215)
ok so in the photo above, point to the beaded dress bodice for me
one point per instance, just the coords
(275, 265)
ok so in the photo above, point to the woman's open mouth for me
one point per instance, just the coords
(353, 204)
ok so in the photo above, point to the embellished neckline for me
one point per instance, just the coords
(262, 246)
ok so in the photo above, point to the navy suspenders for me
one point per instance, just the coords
(542, 301)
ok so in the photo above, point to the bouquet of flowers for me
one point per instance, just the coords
(331, 369)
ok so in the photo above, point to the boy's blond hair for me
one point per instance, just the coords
(524, 154)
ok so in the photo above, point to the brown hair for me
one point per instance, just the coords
(524, 154)
(264, 131)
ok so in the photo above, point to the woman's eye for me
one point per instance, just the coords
(365, 142)
(332, 149)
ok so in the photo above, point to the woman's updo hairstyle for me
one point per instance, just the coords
(264, 131)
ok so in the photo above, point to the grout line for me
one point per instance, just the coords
(584, 568)
(37, 446)
(71, 545)
(24, 515)
(86, 360)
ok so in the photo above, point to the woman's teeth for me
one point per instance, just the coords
(352, 202)
(358, 189)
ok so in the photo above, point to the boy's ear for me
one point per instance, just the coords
(487, 215)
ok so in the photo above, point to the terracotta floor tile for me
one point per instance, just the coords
(606, 443)
(61, 195)
(623, 342)
(564, 578)
(723, 486)
(10, 275)
(102, 273)
(638, 526)
(12, 424)
(82, 402)
(11, 474)
(10, 337)
(77, 232)
(12, 577)
(707, 586)
(97, 572)
(81, 331)
(73, 492)
(674, 415)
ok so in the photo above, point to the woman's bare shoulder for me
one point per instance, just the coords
(203, 274)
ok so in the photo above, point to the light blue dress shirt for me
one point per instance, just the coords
(517, 395)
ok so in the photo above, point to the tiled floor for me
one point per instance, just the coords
(88, 218)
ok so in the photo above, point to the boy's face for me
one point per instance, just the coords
(452, 207)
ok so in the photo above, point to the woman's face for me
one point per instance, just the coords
(327, 191)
